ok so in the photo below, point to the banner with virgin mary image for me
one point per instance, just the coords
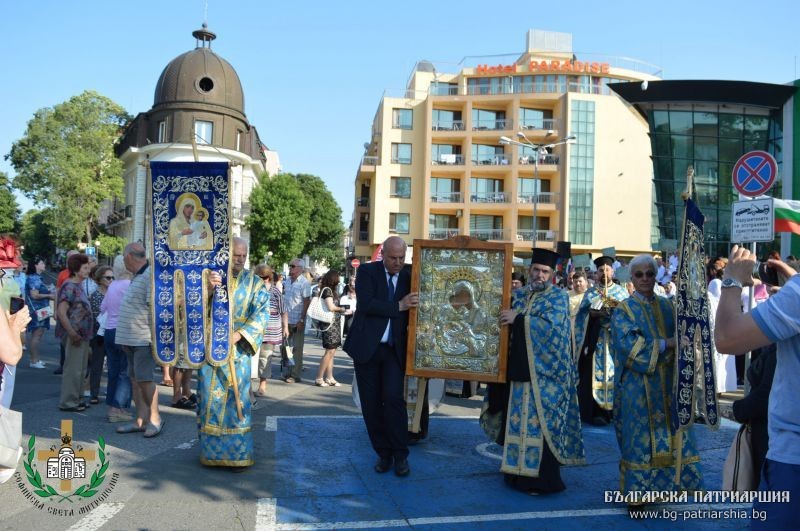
(191, 237)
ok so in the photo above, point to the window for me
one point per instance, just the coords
(486, 154)
(535, 119)
(401, 187)
(398, 222)
(239, 140)
(581, 171)
(203, 132)
(483, 120)
(162, 131)
(445, 190)
(487, 190)
(443, 89)
(402, 118)
(401, 153)
(444, 120)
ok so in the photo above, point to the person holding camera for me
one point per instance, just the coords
(332, 337)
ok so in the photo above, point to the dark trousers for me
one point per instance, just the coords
(96, 360)
(588, 407)
(380, 388)
(777, 477)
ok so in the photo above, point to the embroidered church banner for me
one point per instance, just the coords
(694, 387)
(190, 237)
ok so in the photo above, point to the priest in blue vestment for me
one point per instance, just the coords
(593, 338)
(224, 411)
(540, 426)
(643, 328)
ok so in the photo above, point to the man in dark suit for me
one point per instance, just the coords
(377, 344)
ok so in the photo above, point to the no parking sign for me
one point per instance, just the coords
(754, 173)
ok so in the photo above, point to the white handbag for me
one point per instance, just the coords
(10, 437)
(317, 311)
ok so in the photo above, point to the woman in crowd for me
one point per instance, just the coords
(277, 326)
(348, 302)
(37, 296)
(75, 327)
(724, 365)
(332, 337)
(118, 390)
(643, 328)
(103, 277)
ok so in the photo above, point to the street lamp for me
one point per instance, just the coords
(539, 151)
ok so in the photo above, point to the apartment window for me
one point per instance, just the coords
(402, 118)
(444, 120)
(401, 153)
(535, 119)
(203, 132)
(398, 222)
(486, 154)
(443, 89)
(401, 187)
(162, 131)
(239, 135)
(483, 120)
(445, 190)
(581, 173)
(486, 190)
(446, 154)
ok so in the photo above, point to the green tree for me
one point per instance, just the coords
(279, 219)
(324, 242)
(66, 160)
(9, 209)
(37, 235)
(109, 246)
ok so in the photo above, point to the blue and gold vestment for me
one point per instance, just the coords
(642, 400)
(225, 439)
(545, 408)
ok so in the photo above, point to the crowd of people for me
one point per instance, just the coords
(585, 347)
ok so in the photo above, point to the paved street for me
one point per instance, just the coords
(314, 470)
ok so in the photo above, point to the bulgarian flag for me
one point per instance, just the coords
(787, 215)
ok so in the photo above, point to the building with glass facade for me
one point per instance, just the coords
(710, 125)
(435, 165)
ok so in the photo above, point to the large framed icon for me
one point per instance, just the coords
(455, 333)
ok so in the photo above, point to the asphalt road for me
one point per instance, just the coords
(314, 471)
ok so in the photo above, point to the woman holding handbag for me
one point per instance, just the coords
(38, 297)
(332, 336)
(103, 276)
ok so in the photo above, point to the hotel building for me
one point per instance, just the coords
(435, 165)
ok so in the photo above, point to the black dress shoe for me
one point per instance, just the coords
(383, 465)
(401, 467)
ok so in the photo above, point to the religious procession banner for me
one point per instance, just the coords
(191, 236)
(694, 387)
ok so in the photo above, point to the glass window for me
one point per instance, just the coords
(443, 89)
(401, 153)
(440, 185)
(203, 132)
(402, 118)
(730, 149)
(485, 154)
(398, 222)
(442, 221)
(535, 118)
(680, 122)
(401, 187)
(705, 123)
(443, 120)
(239, 135)
(705, 148)
(730, 125)
(682, 147)
(483, 119)
(162, 131)
(483, 222)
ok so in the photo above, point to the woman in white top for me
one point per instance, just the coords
(724, 364)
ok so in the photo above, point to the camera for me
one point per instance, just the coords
(345, 306)
(17, 303)
(766, 274)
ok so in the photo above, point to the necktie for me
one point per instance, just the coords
(391, 298)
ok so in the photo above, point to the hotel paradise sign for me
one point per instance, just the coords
(577, 67)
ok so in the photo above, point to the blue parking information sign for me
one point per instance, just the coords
(754, 173)
(91, 251)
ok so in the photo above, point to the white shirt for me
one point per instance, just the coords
(393, 279)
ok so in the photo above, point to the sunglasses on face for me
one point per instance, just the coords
(266, 278)
(108, 278)
(640, 274)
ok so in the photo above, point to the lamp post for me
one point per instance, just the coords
(539, 151)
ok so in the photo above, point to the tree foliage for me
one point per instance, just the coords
(325, 233)
(36, 236)
(66, 161)
(279, 219)
(9, 209)
(109, 246)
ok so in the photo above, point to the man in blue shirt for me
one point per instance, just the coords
(775, 321)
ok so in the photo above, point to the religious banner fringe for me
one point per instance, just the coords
(191, 236)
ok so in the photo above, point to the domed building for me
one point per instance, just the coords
(197, 114)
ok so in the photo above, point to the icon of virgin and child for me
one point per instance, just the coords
(189, 229)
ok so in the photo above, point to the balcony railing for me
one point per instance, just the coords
(442, 234)
(363, 201)
(498, 124)
(363, 235)
(448, 159)
(536, 87)
(449, 197)
(448, 125)
(489, 234)
(490, 197)
(526, 235)
(492, 160)
(541, 197)
(547, 159)
(541, 123)
(241, 212)
(369, 160)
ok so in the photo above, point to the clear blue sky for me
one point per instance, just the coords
(313, 72)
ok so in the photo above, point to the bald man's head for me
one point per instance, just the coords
(134, 257)
(239, 255)
(394, 254)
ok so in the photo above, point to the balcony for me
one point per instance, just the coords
(449, 197)
(363, 201)
(540, 198)
(526, 235)
(119, 215)
(489, 234)
(450, 125)
(442, 234)
(544, 124)
(491, 160)
(551, 160)
(498, 124)
(241, 212)
(369, 160)
(490, 197)
(448, 159)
